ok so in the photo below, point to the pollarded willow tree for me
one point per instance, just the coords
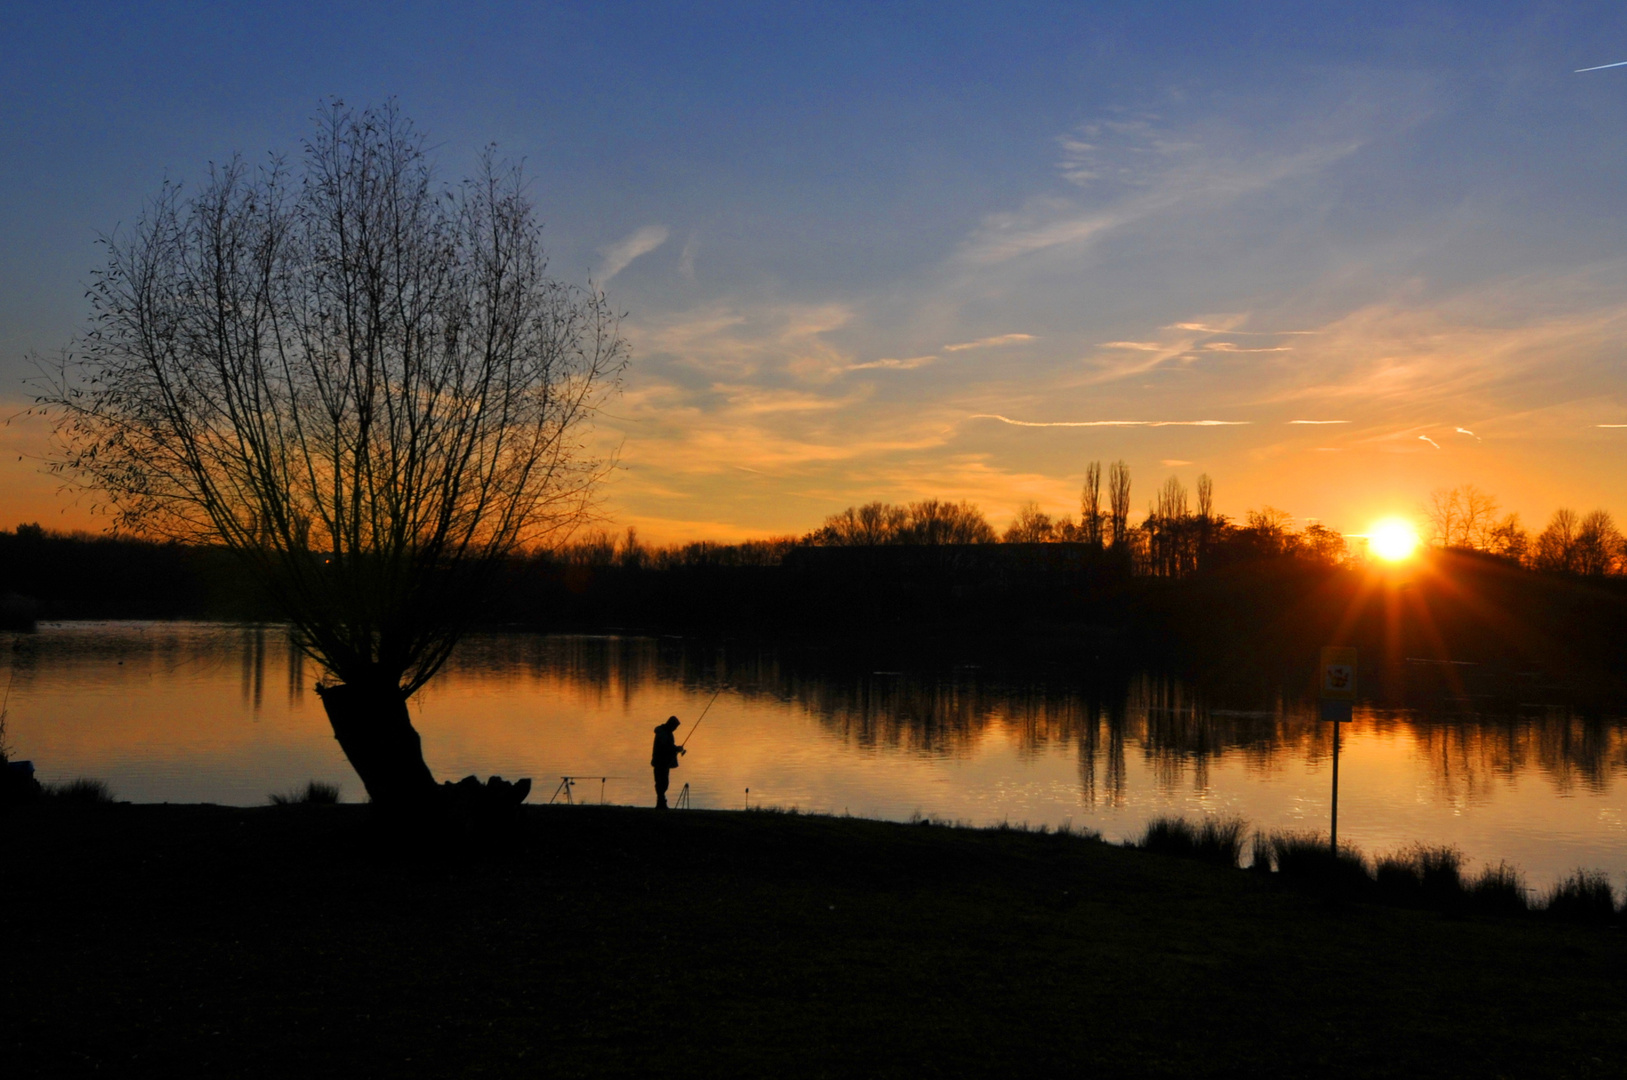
(359, 379)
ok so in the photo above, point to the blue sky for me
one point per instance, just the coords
(898, 251)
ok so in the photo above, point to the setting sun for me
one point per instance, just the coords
(1392, 540)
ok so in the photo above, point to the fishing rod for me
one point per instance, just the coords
(702, 716)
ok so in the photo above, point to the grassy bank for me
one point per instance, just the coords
(302, 940)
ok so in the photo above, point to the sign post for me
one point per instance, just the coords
(1337, 680)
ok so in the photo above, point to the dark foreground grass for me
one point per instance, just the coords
(1585, 896)
(306, 941)
(1213, 840)
(85, 790)
(314, 793)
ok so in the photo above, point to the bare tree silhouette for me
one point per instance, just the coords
(1555, 548)
(1508, 539)
(1598, 545)
(1443, 511)
(1118, 500)
(1463, 517)
(1208, 525)
(936, 521)
(1479, 518)
(1031, 526)
(930, 521)
(1090, 506)
(872, 523)
(360, 380)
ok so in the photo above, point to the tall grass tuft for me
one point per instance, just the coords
(1499, 890)
(1305, 855)
(5, 711)
(1422, 876)
(316, 793)
(1397, 880)
(1220, 841)
(1440, 869)
(1585, 896)
(84, 791)
(1169, 836)
(1260, 853)
(1217, 840)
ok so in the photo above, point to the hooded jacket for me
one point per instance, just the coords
(665, 754)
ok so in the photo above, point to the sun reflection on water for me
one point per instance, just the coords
(182, 712)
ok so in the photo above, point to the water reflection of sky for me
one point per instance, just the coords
(198, 712)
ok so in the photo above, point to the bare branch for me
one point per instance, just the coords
(361, 380)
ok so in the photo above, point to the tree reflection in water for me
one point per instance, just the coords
(1103, 713)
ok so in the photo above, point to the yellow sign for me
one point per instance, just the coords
(1338, 674)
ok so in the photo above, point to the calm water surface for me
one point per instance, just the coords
(199, 712)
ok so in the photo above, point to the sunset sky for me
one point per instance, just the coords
(1334, 255)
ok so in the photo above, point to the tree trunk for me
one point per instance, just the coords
(377, 736)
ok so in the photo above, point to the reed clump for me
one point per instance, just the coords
(1306, 855)
(1585, 896)
(1499, 890)
(1215, 840)
(1260, 856)
(315, 793)
(1420, 875)
(83, 791)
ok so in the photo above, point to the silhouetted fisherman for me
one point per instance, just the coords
(664, 758)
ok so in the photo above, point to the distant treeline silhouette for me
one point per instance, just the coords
(1173, 540)
(1465, 518)
(58, 575)
(1240, 601)
(1178, 537)
(86, 575)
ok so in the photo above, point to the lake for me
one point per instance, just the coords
(209, 712)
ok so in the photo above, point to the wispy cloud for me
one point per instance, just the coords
(1155, 173)
(757, 400)
(1319, 421)
(1184, 348)
(1410, 358)
(736, 342)
(906, 364)
(1430, 441)
(1204, 329)
(984, 343)
(1108, 423)
(1170, 463)
(686, 259)
(1230, 347)
(619, 255)
(1147, 356)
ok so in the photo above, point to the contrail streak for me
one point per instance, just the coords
(1109, 423)
(1202, 329)
(1601, 67)
(1430, 441)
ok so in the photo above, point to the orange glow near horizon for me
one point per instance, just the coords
(1392, 540)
